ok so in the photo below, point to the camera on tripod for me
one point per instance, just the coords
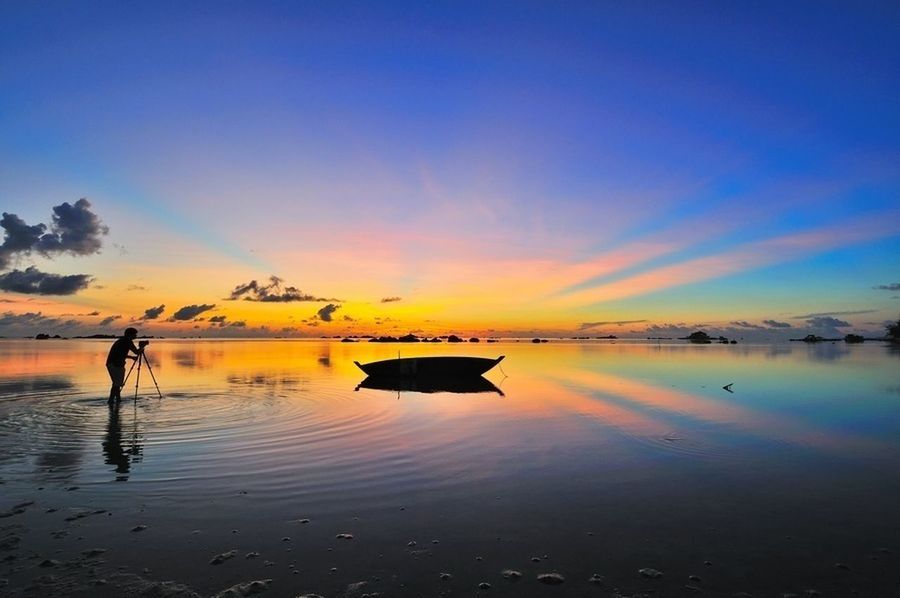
(143, 344)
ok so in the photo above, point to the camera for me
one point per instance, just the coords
(143, 344)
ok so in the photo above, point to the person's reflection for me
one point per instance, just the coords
(112, 446)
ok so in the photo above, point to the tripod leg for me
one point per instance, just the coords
(137, 379)
(128, 375)
(153, 377)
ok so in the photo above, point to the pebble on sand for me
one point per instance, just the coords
(650, 573)
(511, 574)
(551, 579)
(221, 558)
(344, 536)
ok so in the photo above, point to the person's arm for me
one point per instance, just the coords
(133, 349)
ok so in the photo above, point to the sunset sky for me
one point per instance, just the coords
(490, 168)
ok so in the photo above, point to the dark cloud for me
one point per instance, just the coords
(32, 281)
(894, 286)
(326, 312)
(153, 312)
(189, 312)
(218, 319)
(348, 319)
(272, 292)
(391, 299)
(32, 317)
(588, 325)
(238, 324)
(776, 324)
(18, 237)
(93, 313)
(136, 287)
(109, 320)
(75, 229)
(827, 322)
(745, 324)
(835, 313)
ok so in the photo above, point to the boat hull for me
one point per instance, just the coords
(429, 367)
(460, 385)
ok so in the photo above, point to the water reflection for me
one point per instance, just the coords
(114, 452)
(471, 384)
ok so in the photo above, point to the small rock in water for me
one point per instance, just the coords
(511, 574)
(269, 564)
(707, 563)
(286, 539)
(49, 563)
(478, 558)
(535, 559)
(221, 558)
(650, 573)
(695, 578)
(333, 570)
(303, 521)
(242, 590)
(139, 528)
(251, 555)
(596, 578)
(551, 579)
(344, 536)
(435, 541)
(484, 586)
(93, 551)
(446, 576)
(411, 543)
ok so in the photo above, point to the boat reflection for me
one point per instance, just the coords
(460, 385)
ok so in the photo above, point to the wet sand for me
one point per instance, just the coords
(283, 481)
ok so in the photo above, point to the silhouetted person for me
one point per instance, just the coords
(115, 362)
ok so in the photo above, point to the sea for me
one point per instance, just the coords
(578, 468)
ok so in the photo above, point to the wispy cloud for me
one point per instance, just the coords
(826, 314)
(189, 312)
(894, 286)
(273, 292)
(589, 325)
(390, 299)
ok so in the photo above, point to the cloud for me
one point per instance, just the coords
(153, 312)
(588, 325)
(189, 312)
(391, 299)
(326, 312)
(827, 322)
(219, 319)
(136, 287)
(32, 281)
(32, 317)
(272, 292)
(75, 229)
(745, 324)
(835, 313)
(349, 319)
(238, 324)
(776, 324)
(109, 320)
(894, 286)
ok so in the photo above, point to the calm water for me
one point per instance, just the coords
(593, 457)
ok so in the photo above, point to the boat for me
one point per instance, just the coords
(461, 385)
(429, 367)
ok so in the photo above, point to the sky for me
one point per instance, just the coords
(485, 168)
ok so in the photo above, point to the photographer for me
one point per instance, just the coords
(115, 361)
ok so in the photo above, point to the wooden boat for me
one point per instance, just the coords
(429, 367)
(461, 385)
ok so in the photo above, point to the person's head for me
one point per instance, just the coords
(131, 333)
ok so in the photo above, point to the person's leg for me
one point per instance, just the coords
(117, 375)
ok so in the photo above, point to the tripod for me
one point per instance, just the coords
(141, 359)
